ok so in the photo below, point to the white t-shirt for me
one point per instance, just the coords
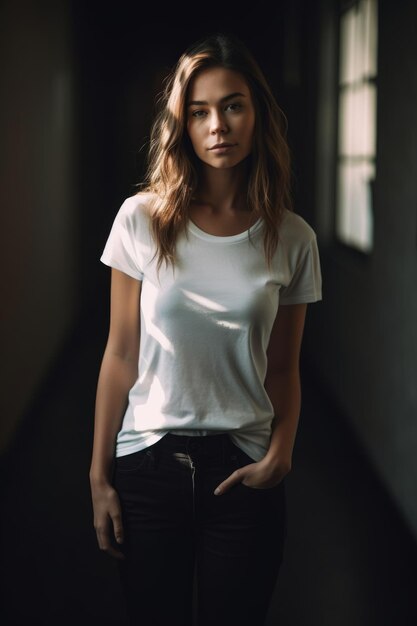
(205, 326)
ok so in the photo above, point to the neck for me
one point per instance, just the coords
(224, 190)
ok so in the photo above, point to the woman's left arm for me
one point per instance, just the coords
(283, 387)
(282, 382)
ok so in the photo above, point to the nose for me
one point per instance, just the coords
(218, 124)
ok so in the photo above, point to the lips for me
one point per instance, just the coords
(222, 145)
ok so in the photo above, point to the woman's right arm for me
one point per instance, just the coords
(118, 373)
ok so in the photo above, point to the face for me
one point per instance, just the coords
(220, 109)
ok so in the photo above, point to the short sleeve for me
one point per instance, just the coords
(306, 283)
(122, 247)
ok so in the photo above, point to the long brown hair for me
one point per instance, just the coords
(172, 171)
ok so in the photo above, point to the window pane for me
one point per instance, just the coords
(354, 224)
(357, 120)
(347, 47)
(370, 25)
(358, 42)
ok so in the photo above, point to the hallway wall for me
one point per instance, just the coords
(364, 339)
(37, 197)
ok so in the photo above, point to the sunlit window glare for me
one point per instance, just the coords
(356, 169)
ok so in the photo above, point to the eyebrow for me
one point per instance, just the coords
(224, 99)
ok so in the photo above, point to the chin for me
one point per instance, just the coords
(226, 161)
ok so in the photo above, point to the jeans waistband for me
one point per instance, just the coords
(192, 444)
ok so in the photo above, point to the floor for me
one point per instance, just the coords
(349, 558)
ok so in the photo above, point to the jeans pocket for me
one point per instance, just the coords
(274, 487)
(241, 459)
(130, 463)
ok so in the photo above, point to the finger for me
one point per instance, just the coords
(105, 544)
(233, 479)
(118, 527)
(103, 538)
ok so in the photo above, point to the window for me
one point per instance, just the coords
(356, 152)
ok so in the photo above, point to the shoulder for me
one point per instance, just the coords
(295, 229)
(139, 206)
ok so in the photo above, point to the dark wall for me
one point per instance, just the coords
(364, 339)
(38, 196)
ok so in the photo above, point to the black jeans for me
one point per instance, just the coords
(177, 530)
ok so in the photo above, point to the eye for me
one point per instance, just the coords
(196, 113)
(235, 106)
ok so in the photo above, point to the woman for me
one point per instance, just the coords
(198, 396)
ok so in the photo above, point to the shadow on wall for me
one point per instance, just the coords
(37, 191)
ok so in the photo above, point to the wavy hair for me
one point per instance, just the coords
(172, 169)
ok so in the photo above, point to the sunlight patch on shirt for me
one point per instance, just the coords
(231, 325)
(149, 418)
(159, 336)
(204, 302)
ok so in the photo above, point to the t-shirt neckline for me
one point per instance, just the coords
(193, 228)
